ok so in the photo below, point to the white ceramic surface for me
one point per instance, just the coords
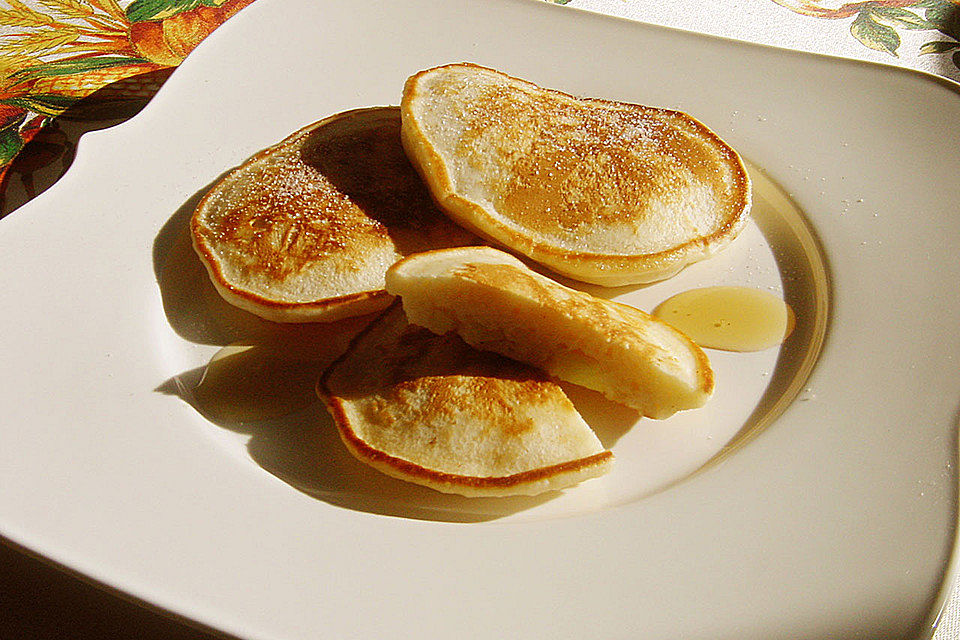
(833, 516)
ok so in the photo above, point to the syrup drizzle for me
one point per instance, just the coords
(729, 318)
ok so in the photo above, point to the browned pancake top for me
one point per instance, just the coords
(571, 165)
(445, 375)
(434, 410)
(333, 194)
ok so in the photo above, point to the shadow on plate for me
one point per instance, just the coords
(806, 288)
(50, 152)
(261, 383)
(43, 599)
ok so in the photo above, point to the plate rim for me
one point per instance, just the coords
(225, 32)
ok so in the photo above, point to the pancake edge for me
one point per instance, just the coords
(595, 268)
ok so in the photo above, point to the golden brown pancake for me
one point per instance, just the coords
(304, 230)
(496, 303)
(432, 410)
(604, 192)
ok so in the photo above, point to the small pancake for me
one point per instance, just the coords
(605, 192)
(304, 230)
(434, 411)
(496, 303)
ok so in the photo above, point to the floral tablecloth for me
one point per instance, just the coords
(70, 66)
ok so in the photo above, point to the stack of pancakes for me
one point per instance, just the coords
(454, 387)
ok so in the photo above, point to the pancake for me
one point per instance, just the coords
(604, 192)
(304, 230)
(434, 411)
(495, 302)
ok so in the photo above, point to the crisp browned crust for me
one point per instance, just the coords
(406, 470)
(328, 309)
(446, 366)
(596, 267)
(335, 199)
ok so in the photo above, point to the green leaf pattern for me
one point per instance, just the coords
(72, 66)
(900, 17)
(877, 24)
(939, 46)
(147, 10)
(10, 143)
(873, 34)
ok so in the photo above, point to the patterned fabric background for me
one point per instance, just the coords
(69, 66)
(88, 62)
(878, 25)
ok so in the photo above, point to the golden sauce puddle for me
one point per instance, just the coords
(729, 318)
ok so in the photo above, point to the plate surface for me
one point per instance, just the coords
(830, 514)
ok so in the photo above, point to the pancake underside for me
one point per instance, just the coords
(496, 303)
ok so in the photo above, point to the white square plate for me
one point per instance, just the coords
(829, 506)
